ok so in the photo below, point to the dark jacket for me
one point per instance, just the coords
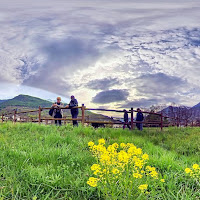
(125, 117)
(73, 103)
(139, 117)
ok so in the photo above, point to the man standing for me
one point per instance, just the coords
(126, 122)
(57, 112)
(139, 118)
(74, 111)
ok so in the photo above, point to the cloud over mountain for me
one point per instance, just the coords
(110, 96)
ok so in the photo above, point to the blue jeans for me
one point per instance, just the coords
(139, 126)
(58, 122)
(74, 114)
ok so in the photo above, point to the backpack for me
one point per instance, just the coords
(51, 112)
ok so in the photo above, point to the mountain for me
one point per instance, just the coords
(196, 106)
(25, 101)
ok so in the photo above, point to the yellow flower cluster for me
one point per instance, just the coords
(120, 163)
(143, 187)
(92, 182)
(194, 171)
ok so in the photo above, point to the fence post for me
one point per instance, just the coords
(131, 118)
(2, 117)
(83, 114)
(161, 121)
(177, 124)
(39, 115)
(14, 117)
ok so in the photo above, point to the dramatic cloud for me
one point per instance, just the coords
(63, 59)
(159, 83)
(104, 52)
(101, 84)
(110, 96)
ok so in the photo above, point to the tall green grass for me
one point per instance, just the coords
(50, 162)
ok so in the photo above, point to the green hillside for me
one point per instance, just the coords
(1, 101)
(25, 101)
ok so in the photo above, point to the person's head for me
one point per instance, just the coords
(58, 99)
(72, 97)
(138, 110)
(125, 110)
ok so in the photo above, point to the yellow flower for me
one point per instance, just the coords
(138, 151)
(122, 145)
(97, 172)
(114, 162)
(90, 144)
(105, 158)
(115, 171)
(148, 168)
(137, 175)
(187, 170)
(139, 163)
(106, 171)
(95, 167)
(130, 145)
(145, 157)
(195, 166)
(123, 157)
(143, 187)
(154, 174)
(115, 145)
(101, 148)
(101, 141)
(111, 148)
(92, 182)
(94, 148)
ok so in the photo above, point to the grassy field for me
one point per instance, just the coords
(49, 162)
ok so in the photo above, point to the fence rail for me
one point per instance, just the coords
(85, 119)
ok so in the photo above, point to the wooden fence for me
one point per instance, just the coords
(85, 119)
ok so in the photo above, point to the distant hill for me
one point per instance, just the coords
(25, 101)
(1, 101)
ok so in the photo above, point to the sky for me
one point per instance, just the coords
(108, 53)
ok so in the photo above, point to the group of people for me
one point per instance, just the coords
(57, 112)
(139, 119)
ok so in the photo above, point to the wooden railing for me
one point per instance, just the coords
(85, 119)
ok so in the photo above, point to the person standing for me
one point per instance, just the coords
(139, 118)
(57, 111)
(74, 111)
(126, 122)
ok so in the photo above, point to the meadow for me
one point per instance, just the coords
(49, 162)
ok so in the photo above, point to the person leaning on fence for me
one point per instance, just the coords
(74, 111)
(56, 111)
(139, 118)
(126, 122)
